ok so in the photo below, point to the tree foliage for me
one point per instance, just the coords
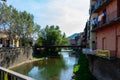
(51, 36)
(22, 24)
(19, 23)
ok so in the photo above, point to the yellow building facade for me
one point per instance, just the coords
(8, 40)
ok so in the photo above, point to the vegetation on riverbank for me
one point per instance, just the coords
(50, 36)
(81, 70)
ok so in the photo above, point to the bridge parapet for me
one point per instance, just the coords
(58, 46)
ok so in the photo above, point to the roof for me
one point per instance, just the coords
(5, 34)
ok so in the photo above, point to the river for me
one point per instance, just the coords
(50, 68)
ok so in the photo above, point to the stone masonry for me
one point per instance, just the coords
(13, 56)
(104, 69)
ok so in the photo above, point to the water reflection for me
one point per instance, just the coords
(49, 69)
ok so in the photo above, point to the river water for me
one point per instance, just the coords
(50, 68)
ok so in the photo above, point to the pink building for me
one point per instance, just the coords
(106, 25)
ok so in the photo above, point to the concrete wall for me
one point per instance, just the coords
(13, 56)
(104, 69)
(108, 34)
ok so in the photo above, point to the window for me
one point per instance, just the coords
(104, 17)
(0, 41)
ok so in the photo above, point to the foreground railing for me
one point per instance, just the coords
(6, 74)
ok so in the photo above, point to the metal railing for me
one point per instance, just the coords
(113, 15)
(98, 4)
(109, 18)
(106, 20)
(6, 74)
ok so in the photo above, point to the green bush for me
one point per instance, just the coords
(76, 68)
(83, 73)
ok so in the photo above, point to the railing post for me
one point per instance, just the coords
(5, 76)
(1, 75)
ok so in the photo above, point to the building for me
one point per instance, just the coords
(73, 39)
(87, 32)
(105, 26)
(78, 39)
(7, 40)
(83, 39)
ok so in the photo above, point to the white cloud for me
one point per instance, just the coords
(70, 15)
(73, 14)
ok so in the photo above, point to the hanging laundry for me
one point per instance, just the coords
(93, 22)
(104, 13)
(96, 20)
(100, 17)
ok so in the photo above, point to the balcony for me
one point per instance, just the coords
(107, 20)
(98, 5)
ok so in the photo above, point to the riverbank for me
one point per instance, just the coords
(25, 62)
(81, 69)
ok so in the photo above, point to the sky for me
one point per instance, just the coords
(69, 15)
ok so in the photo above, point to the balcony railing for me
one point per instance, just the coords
(109, 18)
(6, 74)
(106, 20)
(99, 4)
(112, 16)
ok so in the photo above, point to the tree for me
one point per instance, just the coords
(17, 23)
(27, 29)
(51, 36)
(36, 34)
(4, 16)
(65, 40)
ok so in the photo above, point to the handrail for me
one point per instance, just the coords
(98, 4)
(6, 74)
(109, 17)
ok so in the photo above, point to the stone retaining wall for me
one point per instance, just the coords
(104, 69)
(13, 56)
